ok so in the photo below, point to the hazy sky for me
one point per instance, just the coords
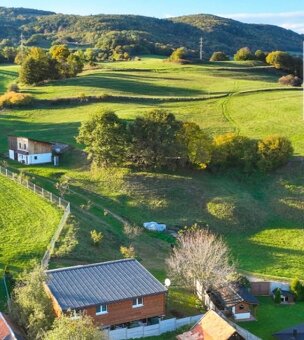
(285, 13)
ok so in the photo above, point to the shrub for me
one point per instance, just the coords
(13, 88)
(244, 53)
(127, 252)
(273, 151)
(11, 99)
(290, 79)
(297, 288)
(280, 60)
(277, 295)
(219, 56)
(96, 237)
(260, 55)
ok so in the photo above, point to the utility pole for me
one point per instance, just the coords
(201, 48)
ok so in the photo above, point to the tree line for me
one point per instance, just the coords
(38, 65)
(157, 140)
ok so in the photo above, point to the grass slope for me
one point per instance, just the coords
(260, 215)
(27, 223)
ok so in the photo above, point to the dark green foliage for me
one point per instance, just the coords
(297, 288)
(219, 56)
(244, 53)
(38, 66)
(280, 60)
(154, 140)
(260, 55)
(105, 137)
(277, 296)
(141, 35)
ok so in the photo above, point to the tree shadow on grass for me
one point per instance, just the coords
(127, 83)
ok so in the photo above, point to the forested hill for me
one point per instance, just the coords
(147, 35)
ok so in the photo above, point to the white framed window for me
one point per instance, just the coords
(137, 302)
(101, 309)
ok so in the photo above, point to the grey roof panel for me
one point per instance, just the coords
(82, 286)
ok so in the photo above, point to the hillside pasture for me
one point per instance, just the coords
(259, 215)
(27, 224)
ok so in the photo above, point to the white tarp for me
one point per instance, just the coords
(154, 226)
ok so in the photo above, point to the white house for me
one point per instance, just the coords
(29, 151)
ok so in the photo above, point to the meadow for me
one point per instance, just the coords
(24, 229)
(260, 216)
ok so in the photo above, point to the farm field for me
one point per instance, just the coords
(260, 216)
(27, 223)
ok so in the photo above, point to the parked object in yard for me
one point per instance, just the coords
(212, 327)
(154, 226)
(113, 293)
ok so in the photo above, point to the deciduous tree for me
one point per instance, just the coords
(201, 257)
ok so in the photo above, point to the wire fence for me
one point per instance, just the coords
(59, 201)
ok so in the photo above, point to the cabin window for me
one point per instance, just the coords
(102, 309)
(35, 157)
(20, 145)
(242, 307)
(137, 302)
(24, 146)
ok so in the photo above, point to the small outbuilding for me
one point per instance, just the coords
(212, 327)
(287, 297)
(233, 300)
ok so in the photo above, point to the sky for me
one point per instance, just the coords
(285, 13)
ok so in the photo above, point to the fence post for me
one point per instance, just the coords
(59, 200)
(51, 197)
(6, 172)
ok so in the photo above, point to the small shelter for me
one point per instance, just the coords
(234, 300)
(212, 327)
(293, 333)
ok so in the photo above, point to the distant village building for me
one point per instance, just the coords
(113, 293)
(8, 331)
(233, 300)
(211, 327)
(286, 296)
(29, 151)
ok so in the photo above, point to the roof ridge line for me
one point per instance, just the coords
(89, 265)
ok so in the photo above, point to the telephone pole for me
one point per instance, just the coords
(201, 48)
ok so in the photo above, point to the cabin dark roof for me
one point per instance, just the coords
(284, 292)
(230, 296)
(89, 285)
(293, 333)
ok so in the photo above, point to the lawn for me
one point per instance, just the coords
(272, 318)
(27, 223)
(260, 216)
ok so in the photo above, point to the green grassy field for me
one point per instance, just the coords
(260, 216)
(272, 318)
(27, 223)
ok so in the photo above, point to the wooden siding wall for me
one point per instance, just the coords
(123, 312)
(39, 147)
(246, 308)
(260, 288)
(12, 143)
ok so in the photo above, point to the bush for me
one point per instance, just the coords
(244, 53)
(96, 237)
(273, 152)
(219, 56)
(260, 55)
(127, 252)
(297, 288)
(13, 88)
(11, 99)
(291, 80)
(277, 296)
